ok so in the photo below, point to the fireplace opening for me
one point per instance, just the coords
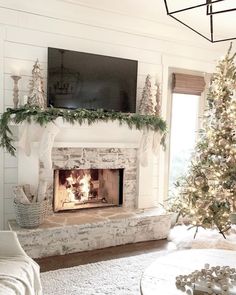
(87, 188)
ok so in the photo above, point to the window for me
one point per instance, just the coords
(184, 125)
(186, 99)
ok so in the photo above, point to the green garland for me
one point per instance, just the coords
(80, 116)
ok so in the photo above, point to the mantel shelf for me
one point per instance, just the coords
(100, 134)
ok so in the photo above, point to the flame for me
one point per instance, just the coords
(85, 186)
(78, 185)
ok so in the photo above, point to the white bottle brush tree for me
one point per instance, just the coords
(36, 95)
(146, 104)
(207, 194)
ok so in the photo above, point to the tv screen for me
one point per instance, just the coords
(91, 81)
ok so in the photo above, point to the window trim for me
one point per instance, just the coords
(164, 162)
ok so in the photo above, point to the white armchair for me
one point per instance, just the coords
(19, 274)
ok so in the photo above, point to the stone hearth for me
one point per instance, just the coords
(64, 233)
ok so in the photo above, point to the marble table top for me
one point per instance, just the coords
(159, 277)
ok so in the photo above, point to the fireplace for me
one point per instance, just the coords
(87, 188)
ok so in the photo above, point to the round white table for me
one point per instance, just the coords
(159, 277)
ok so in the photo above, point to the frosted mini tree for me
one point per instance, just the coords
(207, 194)
(36, 95)
(158, 100)
(146, 104)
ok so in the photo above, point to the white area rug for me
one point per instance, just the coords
(184, 238)
(122, 276)
(113, 277)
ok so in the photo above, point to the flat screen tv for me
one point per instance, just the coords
(91, 81)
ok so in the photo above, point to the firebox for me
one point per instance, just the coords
(87, 188)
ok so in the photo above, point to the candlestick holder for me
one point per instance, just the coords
(15, 90)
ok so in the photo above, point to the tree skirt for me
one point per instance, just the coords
(117, 277)
(183, 238)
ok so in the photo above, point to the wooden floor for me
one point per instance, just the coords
(56, 262)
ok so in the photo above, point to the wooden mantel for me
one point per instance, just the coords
(100, 134)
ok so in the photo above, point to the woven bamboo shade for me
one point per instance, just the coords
(188, 84)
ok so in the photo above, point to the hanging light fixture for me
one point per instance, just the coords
(214, 20)
(64, 81)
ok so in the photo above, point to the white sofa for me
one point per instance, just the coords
(19, 274)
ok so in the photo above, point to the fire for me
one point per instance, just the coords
(78, 188)
(85, 186)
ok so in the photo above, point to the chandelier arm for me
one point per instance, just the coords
(222, 11)
(167, 9)
(211, 24)
(222, 40)
(189, 8)
(191, 28)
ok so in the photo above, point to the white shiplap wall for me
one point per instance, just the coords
(2, 211)
(28, 27)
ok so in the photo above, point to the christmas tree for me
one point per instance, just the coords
(146, 104)
(207, 194)
(36, 95)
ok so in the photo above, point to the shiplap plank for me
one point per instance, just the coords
(9, 17)
(25, 52)
(2, 36)
(34, 49)
(21, 67)
(10, 161)
(152, 69)
(8, 190)
(10, 175)
(8, 206)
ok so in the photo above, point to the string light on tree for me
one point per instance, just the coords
(207, 194)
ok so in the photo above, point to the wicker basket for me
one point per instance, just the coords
(30, 215)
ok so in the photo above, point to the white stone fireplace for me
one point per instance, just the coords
(104, 146)
(99, 146)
